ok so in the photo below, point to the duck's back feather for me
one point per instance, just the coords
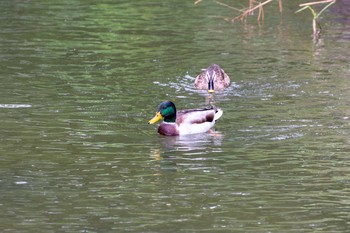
(222, 80)
(197, 120)
(195, 116)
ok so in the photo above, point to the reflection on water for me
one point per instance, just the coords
(187, 151)
(79, 80)
(190, 144)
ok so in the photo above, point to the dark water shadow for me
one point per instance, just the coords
(341, 10)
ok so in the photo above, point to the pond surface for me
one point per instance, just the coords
(81, 79)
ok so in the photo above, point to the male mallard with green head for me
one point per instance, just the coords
(190, 121)
(212, 78)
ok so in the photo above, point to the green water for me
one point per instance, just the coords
(81, 79)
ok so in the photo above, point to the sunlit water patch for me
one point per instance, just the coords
(15, 106)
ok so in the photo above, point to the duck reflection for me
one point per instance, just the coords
(194, 147)
(192, 142)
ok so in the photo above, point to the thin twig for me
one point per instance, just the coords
(261, 13)
(257, 6)
(250, 11)
(251, 5)
(231, 7)
(315, 3)
(280, 6)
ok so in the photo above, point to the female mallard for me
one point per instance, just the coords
(188, 121)
(212, 78)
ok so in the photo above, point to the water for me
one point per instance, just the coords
(80, 80)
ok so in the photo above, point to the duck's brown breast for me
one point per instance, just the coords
(168, 129)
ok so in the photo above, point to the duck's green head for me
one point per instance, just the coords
(167, 111)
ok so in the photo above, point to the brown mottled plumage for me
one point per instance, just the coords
(213, 78)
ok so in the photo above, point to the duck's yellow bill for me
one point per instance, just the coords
(156, 118)
(211, 91)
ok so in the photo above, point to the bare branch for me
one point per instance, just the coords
(231, 7)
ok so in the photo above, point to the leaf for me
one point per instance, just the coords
(324, 8)
(301, 9)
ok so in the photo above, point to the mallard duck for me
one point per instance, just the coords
(190, 121)
(212, 78)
